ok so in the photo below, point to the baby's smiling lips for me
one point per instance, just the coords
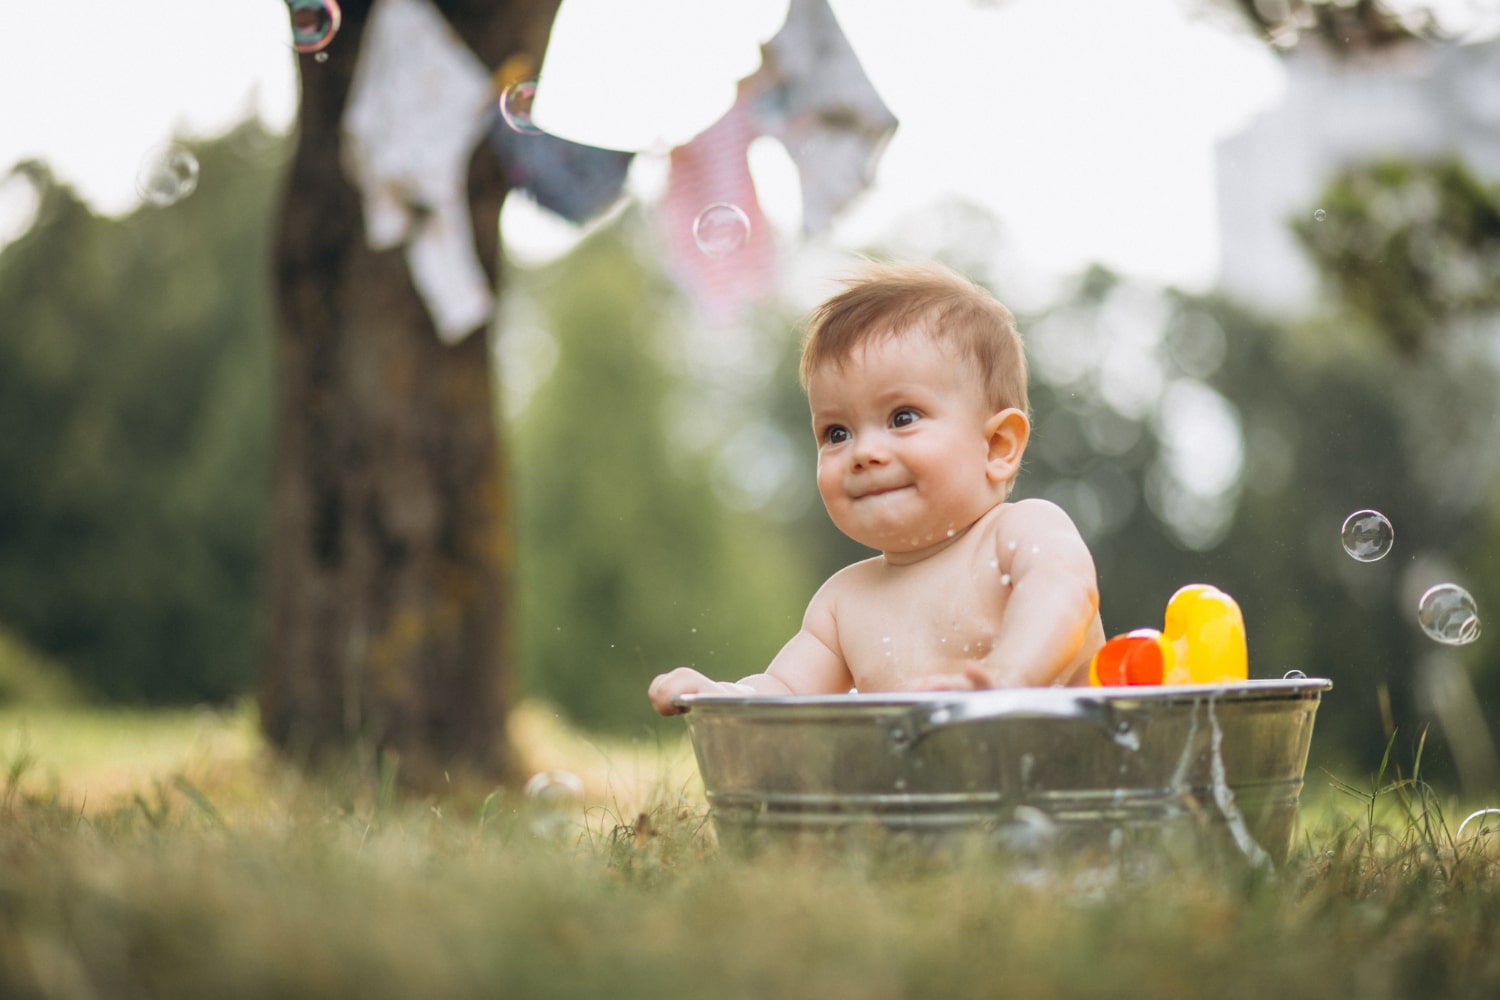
(875, 491)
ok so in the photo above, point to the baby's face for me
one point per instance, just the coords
(902, 444)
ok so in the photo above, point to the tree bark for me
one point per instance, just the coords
(390, 563)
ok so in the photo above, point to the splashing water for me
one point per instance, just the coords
(1448, 614)
(1367, 535)
(1179, 774)
(1224, 798)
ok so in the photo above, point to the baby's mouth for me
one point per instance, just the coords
(877, 491)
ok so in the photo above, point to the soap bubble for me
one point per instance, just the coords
(168, 174)
(555, 798)
(1367, 535)
(314, 23)
(1484, 827)
(515, 106)
(721, 229)
(1319, 215)
(1294, 675)
(1448, 614)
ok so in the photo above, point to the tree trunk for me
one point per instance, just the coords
(391, 544)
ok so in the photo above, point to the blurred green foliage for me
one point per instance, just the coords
(135, 386)
(630, 563)
(1192, 439)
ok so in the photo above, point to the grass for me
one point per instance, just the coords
(168, 856)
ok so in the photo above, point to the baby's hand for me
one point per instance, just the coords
(671, 685)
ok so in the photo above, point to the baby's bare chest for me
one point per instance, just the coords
(921, 621)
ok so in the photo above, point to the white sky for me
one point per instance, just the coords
(1087, 126)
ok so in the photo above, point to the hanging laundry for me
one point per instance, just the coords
(713, 168)
(575, 181)
(813, 95)
(417, 108)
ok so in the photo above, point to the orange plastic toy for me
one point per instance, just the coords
(1202, 642)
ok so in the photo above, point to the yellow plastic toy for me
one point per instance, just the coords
(1202, 642)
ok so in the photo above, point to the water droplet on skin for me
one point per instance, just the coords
(994, 564)
(951, 532)
(1005, 579)
(1011, 545)
(721, 229)
(1447, 613)
(1367, 535)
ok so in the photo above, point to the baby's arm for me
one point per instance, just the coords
(808, 664)
(1051, 626)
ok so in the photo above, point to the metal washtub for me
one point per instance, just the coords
(1062, 766)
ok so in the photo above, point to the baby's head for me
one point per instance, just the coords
(916, 381)
(886, 300)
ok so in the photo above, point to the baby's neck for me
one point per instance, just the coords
(912, 556)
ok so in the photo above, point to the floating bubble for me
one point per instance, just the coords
(555, 798)
(515, 106)
(1484, 827)
(554, 788)
(168, 174)
(1367, 535)
(721, 229)
(314, 23)
(1319, 215)
(1448, 614)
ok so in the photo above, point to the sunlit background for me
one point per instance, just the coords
(1257, 279)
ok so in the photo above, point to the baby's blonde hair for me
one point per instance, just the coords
(887, 299)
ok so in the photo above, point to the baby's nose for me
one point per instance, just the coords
(870, 449)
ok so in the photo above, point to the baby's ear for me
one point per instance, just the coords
(1007, 431)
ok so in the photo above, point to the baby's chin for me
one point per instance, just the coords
(905, 542)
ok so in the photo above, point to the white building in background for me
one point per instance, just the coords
(1416, 100)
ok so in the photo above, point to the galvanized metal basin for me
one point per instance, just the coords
(1062, 766)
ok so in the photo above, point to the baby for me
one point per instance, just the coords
(916, 379)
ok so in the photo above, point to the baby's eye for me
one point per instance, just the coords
(904, 418)
(835, 435)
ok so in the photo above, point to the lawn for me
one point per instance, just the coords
(167, 855)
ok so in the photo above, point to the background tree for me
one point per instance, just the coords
(391, 543)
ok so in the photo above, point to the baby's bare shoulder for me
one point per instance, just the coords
(849, 580)
(1032, 518)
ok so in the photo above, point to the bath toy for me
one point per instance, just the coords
(1202, 641)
